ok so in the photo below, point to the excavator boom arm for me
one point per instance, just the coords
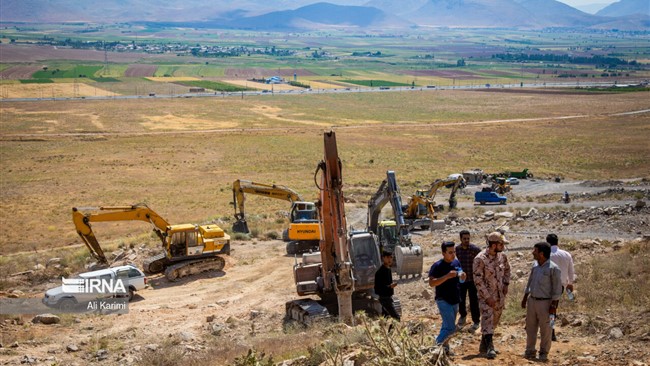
(376, 204)
(334, 243)
(388, 192)
(83, 216)
(241, 187)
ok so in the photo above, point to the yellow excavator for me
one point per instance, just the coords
(187, 248)
(501, 186)
(420, 211)
(303, 234)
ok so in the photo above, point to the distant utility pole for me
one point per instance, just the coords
(105, 59)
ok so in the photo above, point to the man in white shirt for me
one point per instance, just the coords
(562, 259)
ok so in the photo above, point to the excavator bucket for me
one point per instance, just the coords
(240, 226)
(409, 260)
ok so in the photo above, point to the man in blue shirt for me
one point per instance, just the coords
(444, 275)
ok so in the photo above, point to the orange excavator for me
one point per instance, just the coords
(342, 273)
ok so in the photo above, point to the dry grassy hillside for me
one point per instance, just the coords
(180, 156)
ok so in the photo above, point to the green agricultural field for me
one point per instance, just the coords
(214, 85)
(36, 81)
(189, 71)
(374, 83)
(71, 72)
(105, 80)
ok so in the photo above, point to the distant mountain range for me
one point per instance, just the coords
(299, 15)
(626, 8)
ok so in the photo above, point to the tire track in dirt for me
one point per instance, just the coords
(10, 137)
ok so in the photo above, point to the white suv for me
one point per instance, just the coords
(132, 278)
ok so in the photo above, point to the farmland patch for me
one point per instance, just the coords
(81, 71)
(213, 85)
(51, 90)
(373, 83)
(171, 79)
(259, 72)
(140, 70)
(449, 74)
(262, 86)
(20, 72)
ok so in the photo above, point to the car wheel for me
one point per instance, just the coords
(131, 294)
(67, 305)
(503, 202)
(482, 202)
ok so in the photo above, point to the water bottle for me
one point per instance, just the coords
(460, 272)
(570, 295)
(551, 319)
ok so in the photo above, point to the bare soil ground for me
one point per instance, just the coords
(19, 72)
(242, 307)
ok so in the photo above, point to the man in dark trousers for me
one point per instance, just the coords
(541, 297)
(564, 260)
(384, 286)
(466, 252)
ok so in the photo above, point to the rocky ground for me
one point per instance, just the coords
(213, 318)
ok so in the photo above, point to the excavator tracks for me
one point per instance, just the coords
(182, 269)
(155, 264)
(306, 311)
(309, 311)
(302, 246)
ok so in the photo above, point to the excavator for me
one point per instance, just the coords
(420, 211)
(501, 186)
(187, 248)
(303, 234)
(342, 273)
(394, 234)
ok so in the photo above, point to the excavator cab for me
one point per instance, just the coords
(365, 259)
(422, 209)
(304, 212)
(388, 235)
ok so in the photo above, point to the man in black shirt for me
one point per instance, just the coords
(466, 252)
(384, 286)
(444, 276)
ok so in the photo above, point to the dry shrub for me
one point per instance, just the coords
(380, 342)
(624, 273)
(169, 354)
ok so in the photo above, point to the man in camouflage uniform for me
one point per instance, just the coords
(491, 277)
